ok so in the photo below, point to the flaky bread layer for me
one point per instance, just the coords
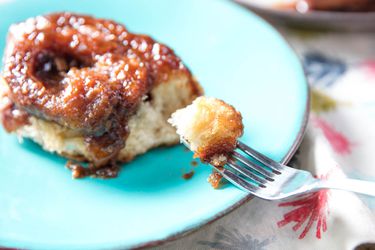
(148, 127)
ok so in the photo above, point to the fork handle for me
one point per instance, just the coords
(353, 185)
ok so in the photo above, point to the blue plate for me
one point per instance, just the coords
(234, 54)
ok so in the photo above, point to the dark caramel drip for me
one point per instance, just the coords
(188, 176)
(108, 171)
(11, 117)
(194, 163)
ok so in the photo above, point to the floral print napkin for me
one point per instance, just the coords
(340, 141)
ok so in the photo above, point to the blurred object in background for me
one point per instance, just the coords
(335, 5)
(323, 5)
(350, 15)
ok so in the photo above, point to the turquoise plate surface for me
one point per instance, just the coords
(234, 54)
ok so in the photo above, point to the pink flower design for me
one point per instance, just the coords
(369, 66)
(311, 208)
(339, 143)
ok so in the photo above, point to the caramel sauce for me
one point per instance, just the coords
(188, 176)
(11, 117)
(221, 124)
(194, 163)
(83, 73)
(215, 179)
(78, 171)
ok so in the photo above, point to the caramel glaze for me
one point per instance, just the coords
(12, 117)
(215, 179)
(83, 73)
(111, 170)
(188, 175)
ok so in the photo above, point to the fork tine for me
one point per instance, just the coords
(275, 166)
(267, 174)
(239, 181)
(260, 181)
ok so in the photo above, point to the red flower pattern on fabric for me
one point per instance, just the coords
(370, 66)
(309, 209)
(339, 143)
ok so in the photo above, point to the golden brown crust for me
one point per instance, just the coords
(211, 127)
(215, 179)
(221, 139)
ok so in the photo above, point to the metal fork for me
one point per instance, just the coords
(270, 180)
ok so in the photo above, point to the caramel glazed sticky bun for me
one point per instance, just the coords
(90, 90)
